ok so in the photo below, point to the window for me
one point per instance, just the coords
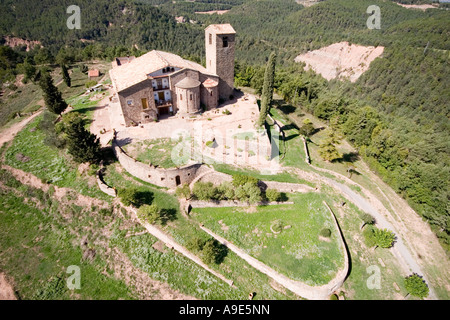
(210, 38)
(129, 102)
(225, 42)
(190, 97)
(181, 97)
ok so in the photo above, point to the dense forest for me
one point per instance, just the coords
(396, 114)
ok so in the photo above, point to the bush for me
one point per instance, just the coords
(416, 286)
(204, 191)
(90, 83)
(128, 196)
(226, 191)
(253, 192)
(226, 112)
(240, 180)
(273, 195)
(149, 213)
(195, 244)
(183, 192)
(213, 252)
(325, 232)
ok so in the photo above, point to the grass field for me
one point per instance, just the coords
(48, 163)
(297, 251)
(37, 244)
(158, 152)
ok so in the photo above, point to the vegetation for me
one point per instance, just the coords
(375, 237)
(65, 75)
(52, 96)
(304, 258)
(416, 286)
(267, 90)
(149, 213)
(83, 145)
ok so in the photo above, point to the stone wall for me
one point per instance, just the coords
(169, 178)
(104, 187)
(134, 113)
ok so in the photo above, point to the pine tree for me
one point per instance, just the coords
(82, 145)
(267, 91)
(52, 96)
(65, 75)
(327, 148)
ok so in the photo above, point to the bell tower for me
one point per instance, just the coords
(220, 46)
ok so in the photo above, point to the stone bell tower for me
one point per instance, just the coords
(220, 46)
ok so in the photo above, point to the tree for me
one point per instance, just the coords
(183, 191)
(367, 219)
(253, 192)
(149, 213)
(204, 190)
(267, 91)
(65, 75)
(273, 195)
(213, 252)
(52, 96)
(383, 238)
(83, 145)
(327, 148)
(307, 128)
(416, 286)
(128, 196)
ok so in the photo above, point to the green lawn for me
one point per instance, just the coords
(297, 251)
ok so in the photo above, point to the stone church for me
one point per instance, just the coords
(160, 83)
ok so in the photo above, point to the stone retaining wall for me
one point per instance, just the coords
(169, 178)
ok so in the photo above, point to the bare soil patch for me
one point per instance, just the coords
(6, 289)
(340, 60)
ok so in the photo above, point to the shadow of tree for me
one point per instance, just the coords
(144, 197)
(167, 215)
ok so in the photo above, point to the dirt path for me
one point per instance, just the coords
(6, 289)
(9, 133)
(171, 243)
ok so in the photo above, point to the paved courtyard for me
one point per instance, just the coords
(231, 126)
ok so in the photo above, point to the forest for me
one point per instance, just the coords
(396, 114)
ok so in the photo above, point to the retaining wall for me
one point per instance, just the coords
(169, 178)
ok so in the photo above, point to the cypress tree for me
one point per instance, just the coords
(267, 91)
(65, 75)
(52, 97)
(82, 144)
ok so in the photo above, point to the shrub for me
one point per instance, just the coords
(273, 195)
(213, 252)
(183, 192)
(204, 190)
(226, 191)
(128, 196)
(253, 192)
(240, 180)
(416, 286)
(325, 232)
(149, 213)
(226, 112)
(195, 244)
(90, 83)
